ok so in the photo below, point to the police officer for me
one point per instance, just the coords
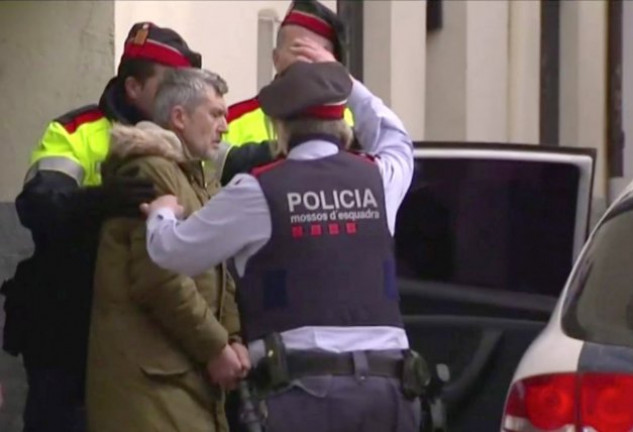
(304, 19)
(311, 237)
(63, 204)
(307, 23)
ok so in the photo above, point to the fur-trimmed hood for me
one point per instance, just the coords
(146, 139)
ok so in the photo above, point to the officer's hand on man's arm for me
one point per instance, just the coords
(52, 204)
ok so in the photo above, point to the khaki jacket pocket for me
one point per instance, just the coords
(163, 371)
(163, 361)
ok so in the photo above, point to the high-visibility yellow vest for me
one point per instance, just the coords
(75, 144)
(248, 123)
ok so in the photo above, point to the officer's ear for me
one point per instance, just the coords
(133, 88)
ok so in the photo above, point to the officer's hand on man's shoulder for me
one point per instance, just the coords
(163, 202)
(123, 194)
(119, 195)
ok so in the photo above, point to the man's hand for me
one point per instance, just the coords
(307, 49)
(165, 201)
(244, 358)
(225, 369)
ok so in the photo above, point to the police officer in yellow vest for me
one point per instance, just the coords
(63, 203)
(305, 19)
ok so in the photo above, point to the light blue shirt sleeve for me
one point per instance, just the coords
(381, 134)
(234, 223)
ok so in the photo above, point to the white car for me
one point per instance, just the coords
(577, 375)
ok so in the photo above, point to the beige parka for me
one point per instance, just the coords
(153, 331)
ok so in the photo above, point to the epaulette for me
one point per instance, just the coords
(238, 109)
(75, 118)
(362, 155)
(257, 171)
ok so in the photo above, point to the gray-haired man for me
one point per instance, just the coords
(158, 337)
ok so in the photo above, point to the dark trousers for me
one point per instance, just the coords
(343, 404)
(54, 402)
(232, 407)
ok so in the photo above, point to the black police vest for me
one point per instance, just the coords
(329, 261)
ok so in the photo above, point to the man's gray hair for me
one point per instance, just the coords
(186, 87)
(285, 130)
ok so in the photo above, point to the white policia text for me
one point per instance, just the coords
(334, 205)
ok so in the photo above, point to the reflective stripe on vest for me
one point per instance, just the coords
(57, 163)
(256, 127)
(77, 152)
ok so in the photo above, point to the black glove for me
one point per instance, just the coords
(118, 196)
(244, 158)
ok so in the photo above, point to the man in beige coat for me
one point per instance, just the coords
(162, 345)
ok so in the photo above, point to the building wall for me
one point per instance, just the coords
(56, 55)
(487, 70)
(48, 68)
(394, 58)
(524, 68)
(483, 76)
(583, 85)
(467, 81)
(446, 82)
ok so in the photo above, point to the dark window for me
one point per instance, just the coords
(487, 223)
(615, 134)
(433, 15)
(600, 302)
(351, 12)
(550, 70)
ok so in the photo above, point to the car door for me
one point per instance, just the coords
(485, 239)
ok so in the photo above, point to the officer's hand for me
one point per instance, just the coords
(225, 369)
(311, 50)
(244, 358)
(122, 195)
(165, 201)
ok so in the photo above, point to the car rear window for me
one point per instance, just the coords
(599, 304)
(489, 223)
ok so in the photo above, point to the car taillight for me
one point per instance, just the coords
(585, 402)
(607, 402)
(544, 402)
